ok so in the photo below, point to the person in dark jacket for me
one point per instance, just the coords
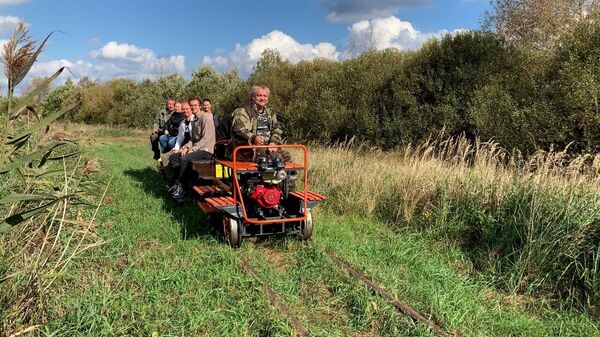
(171, 130)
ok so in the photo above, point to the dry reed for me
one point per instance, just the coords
(534, 223)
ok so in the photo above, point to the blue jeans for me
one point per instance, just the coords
(167, 142)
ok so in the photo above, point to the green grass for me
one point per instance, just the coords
(163, 271)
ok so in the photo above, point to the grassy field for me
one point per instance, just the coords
(162, 271)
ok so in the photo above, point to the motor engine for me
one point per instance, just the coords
(267, 186)
(266, 196)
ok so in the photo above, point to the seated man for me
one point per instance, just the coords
(171, 129)
(200, 146)
(158, 126)
(256, 124)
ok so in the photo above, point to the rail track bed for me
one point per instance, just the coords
(348, 274)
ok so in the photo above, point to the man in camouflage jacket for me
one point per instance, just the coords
(157, 127)
(256, 124)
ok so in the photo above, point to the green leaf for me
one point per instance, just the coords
(25, 70)
(16, 219)
(16, 197)
(50, 173)
(39, 154)
(25, 101)
(63, 156)
(44, 122)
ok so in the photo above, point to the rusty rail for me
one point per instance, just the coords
(399, 305)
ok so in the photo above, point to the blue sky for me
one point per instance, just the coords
(146, 39)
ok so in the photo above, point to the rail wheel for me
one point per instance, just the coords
(306, 227)
(232, 230)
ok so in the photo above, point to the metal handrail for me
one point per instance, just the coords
(237, 193)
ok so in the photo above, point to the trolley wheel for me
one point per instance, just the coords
(232, 231)
(306, 227)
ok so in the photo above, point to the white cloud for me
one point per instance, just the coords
(343, 11)
(389, 32)
(8, 24)
(11, 2)
(382, 33)
(245, 57)
(113, 60)
(127, 60)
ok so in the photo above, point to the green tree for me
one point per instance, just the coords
(54, 100)
(536, 24)
(574, 83)
(224, 90)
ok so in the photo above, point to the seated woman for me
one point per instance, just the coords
(183, 134)
(171, 129)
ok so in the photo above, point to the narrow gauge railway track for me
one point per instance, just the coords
(301, 331)
(402, 307)
(380, 290)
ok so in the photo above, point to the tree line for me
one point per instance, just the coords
(526, 88)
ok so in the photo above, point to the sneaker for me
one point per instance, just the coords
(178, 192)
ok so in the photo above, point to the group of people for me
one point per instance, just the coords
(187, 131)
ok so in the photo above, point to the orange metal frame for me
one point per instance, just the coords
(237, 193)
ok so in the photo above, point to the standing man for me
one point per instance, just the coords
(157, 127)
(200, 146)
(256, 124)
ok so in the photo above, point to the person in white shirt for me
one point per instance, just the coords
(183, 137)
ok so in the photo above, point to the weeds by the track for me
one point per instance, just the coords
(532, 225)
(164, 271)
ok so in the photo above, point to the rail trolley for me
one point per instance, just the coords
(257, 198)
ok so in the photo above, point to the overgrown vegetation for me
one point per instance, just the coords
(525, 220)
(45, 180)
(166, 271)
(530, 225)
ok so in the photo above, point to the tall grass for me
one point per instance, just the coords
(44, 182)
(37, 252)
(532, 224)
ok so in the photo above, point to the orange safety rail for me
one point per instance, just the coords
(250, 166)
(220, 201)
(238, 192)
(311, 196)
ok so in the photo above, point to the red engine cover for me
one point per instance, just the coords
(266, 197)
